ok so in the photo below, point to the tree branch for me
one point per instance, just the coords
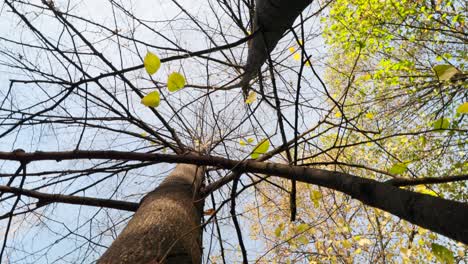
(398, 182)
(45, 198)
(414, 207)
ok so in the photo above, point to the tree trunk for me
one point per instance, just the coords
(272, 18)
(166, 227)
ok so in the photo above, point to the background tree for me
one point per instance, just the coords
(372, 89)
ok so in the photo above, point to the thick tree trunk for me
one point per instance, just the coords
(166, 227)
(272, 18)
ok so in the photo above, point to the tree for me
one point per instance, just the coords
(246, 102)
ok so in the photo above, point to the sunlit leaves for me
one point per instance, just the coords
(297, 56)
(244, 143)
(346, 243)
(445, 72)
(441, 123)
(151, 100)
(463, 108)
(260, 149)
(175, 82)
(251, 98)
(443, 254)
(302, 240)
(151, 63)
(279, 230)
(423, 189)
(398, 168)
(370, 116)
(315, 197)
(302, 228)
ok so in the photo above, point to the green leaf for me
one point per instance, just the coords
(175, 81)
(303, 240)
(441, 123)
(398, 168)
(302, 228)
(261, 148)
(315, 196)
(445, 72)
(151, 99)
(463, 108)
(443, 254)
(151, 63)
(279, 229)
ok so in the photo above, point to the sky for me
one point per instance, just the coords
(62, 226)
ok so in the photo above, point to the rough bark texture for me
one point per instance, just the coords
(166, 227)
(272, 18)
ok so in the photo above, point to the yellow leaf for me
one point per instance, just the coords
(210, 211)
(151, 63)
(445, 72)
(303, 240)
(300, 42)
(297, 56)
(143, 134)
(279, 229)
(370, 115)
(175, 81)
(364, 242)
(463, 108)
(307, 63)
(315, 196)
(251, 98)
(338, 114)
(292, 49)
(151, 99)
(346, 244)
(250, 140)
(424, 190)
(261, 148)
(398, 168)
(242, 143)
(302, 228)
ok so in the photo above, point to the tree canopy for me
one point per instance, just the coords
(328, 131)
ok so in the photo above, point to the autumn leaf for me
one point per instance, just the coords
(151, 63)
(251, 98)
(210, 211)
(398, 168)
(261, 148)
(151, 99)
(442, 253)
(175, 82)
(463, 108)
(445, 72)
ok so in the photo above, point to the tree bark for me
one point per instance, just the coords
(166, 227)
(272, 18)
(448, 218)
